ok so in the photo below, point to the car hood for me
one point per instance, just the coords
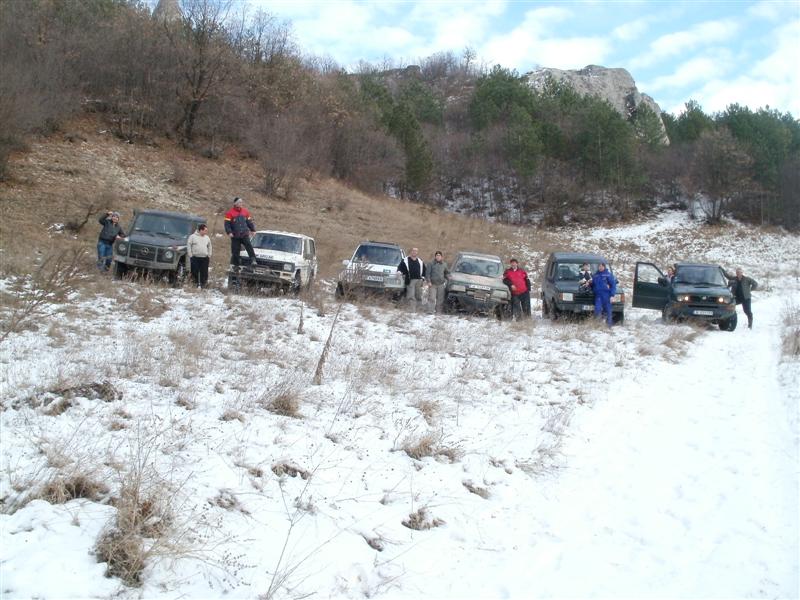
(141, 237)
(276, 255)
(697, 290)
(481, 280)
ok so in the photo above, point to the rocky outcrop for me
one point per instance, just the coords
(613, 85)
(167, 10)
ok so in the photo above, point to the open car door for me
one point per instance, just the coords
(650, 287)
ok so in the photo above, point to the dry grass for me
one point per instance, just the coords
(63, 489)
(430, 444)
(282, 397)
(790, 337)
(476, 489)
(421, 520)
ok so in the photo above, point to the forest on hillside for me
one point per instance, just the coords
(448, 131)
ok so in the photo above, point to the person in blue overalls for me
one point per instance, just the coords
(604, 286)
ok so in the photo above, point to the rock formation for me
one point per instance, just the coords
(613, 85)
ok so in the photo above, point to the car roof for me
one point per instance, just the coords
(384, 244)
(578, 256)
(299, 235)
(166, 213)
(691, 264)
(478, 255)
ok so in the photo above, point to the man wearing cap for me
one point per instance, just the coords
(108, 235)
(741, 286)
(240, 228)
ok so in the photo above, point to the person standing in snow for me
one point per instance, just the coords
(741, 286)
(518, 283)
(111, 232)
(198, 249)
(438, 274)
(605, 286)
(240, 228)
(413, 269)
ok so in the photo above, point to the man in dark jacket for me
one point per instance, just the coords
(413, 269)
(604, 286)
(741, 286)
(108, 235)
(240, 228)
(517, 281)
(438, 274)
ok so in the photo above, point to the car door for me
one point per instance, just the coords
(648, 291)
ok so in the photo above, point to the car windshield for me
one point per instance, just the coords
(278, 242)
(162, 225)
(571, 271)
(472, 265)
(378, 255)
(700, 275)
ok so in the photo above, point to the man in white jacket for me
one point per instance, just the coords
(198, 249)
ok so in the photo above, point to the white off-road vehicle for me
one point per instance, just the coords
(284, 260)
(372, 269)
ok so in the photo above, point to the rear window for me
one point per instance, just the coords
(378, 255)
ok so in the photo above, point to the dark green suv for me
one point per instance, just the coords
(696, 292)
(562, 292)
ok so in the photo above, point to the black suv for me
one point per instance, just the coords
(697, 292)
(156, 244)
(562, 293)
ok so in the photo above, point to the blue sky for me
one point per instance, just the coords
(714, 52)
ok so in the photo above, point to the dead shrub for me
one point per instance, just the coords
(290, 469)
(52, 283)
(231, 414)
(282, 398)
(790, 342)
(421, 520)
(429, 409)
(147, 305)
(430, 444)
(476, 489)
(64, 489)
(124, 553)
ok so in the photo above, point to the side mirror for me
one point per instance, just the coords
(345, 262)
(662, 281)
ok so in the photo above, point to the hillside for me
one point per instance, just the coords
(165, 443)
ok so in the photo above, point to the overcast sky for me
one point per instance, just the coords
(714, 52)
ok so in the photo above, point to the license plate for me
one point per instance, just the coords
(485, 288)
(704, 313)
(587, 307)
(374, 278)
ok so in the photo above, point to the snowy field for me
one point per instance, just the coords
(438, 457)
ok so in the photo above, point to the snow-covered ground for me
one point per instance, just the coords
(530, 459)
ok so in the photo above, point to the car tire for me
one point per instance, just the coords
(178, 276)
(498, 312)
(120, 270)
(618, 318)
(729, 324)
(545, 309)
(339, 290)
(297, 284)
(554, 312)
(666, 317)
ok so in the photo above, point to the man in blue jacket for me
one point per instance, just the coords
(604, 286)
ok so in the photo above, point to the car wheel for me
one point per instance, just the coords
(545, 309)
(120, 270)
(618, 318)
(339, 290)
(178, 276)
(554, 312)
(297, 284)
(666, 317)
(498, 312)
(234, 285)
(728, 324)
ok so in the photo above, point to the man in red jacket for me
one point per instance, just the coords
(240, 228)
(517, 281)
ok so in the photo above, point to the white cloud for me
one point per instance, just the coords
(770, 9)
(529, 44)
(773, 81)
(693, 71)
(631, 30)
(679, 42)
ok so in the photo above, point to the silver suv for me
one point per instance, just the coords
(372, 268)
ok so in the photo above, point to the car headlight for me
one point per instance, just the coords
(724, 300)
(288, 267)
(618, 298)
(683, 298)
(566, 296)
(122, 247)
(499, 294)
(457, 288)
(169, 254)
